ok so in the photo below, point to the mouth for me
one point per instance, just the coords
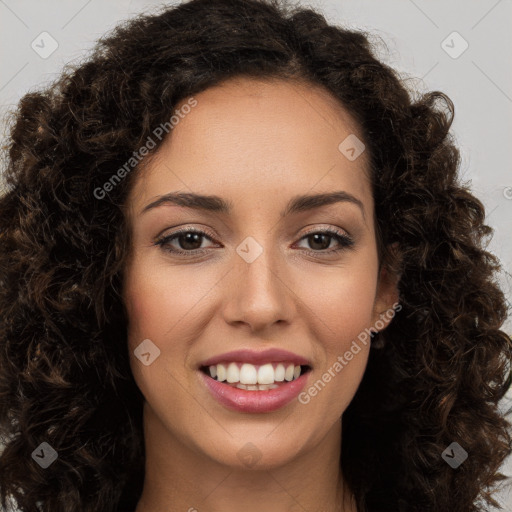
(251, 377)
(254, 388)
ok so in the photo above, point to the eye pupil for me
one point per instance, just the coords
(191, 238)
(316, 239)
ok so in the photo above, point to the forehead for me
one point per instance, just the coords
(258, 139)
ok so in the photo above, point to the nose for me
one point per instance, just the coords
(258, 294)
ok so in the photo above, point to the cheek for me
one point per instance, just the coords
(164, 305)
(342, 302)
(160, 308)
(341, 308)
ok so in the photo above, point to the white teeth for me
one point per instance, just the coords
(249, 376)
(288, 374)
(266, 374)
(259, 387)
(233, 373)
(221, 372)
(279, 373)
(264, 387)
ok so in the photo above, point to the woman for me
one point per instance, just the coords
(239, 270)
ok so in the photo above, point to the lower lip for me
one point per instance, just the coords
(254, 401)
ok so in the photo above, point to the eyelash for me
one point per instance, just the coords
(344, 240)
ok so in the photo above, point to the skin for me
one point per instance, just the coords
(256, 144)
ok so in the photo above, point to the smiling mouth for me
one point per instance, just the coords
(255, 377)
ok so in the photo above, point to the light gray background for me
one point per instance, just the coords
(478, 81)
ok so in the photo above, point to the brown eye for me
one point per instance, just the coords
(319, 241)
(189, 241)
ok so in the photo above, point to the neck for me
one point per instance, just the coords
(180, 479)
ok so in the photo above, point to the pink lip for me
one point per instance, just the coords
(242, 400)
(271, 355)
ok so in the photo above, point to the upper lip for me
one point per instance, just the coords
(270, 355)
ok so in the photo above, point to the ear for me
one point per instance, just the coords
(387, 296)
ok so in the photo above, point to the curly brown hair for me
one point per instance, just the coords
(64, 365)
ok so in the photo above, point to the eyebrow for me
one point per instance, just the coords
(217, 204)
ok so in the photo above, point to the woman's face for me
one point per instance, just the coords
(263, 278)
